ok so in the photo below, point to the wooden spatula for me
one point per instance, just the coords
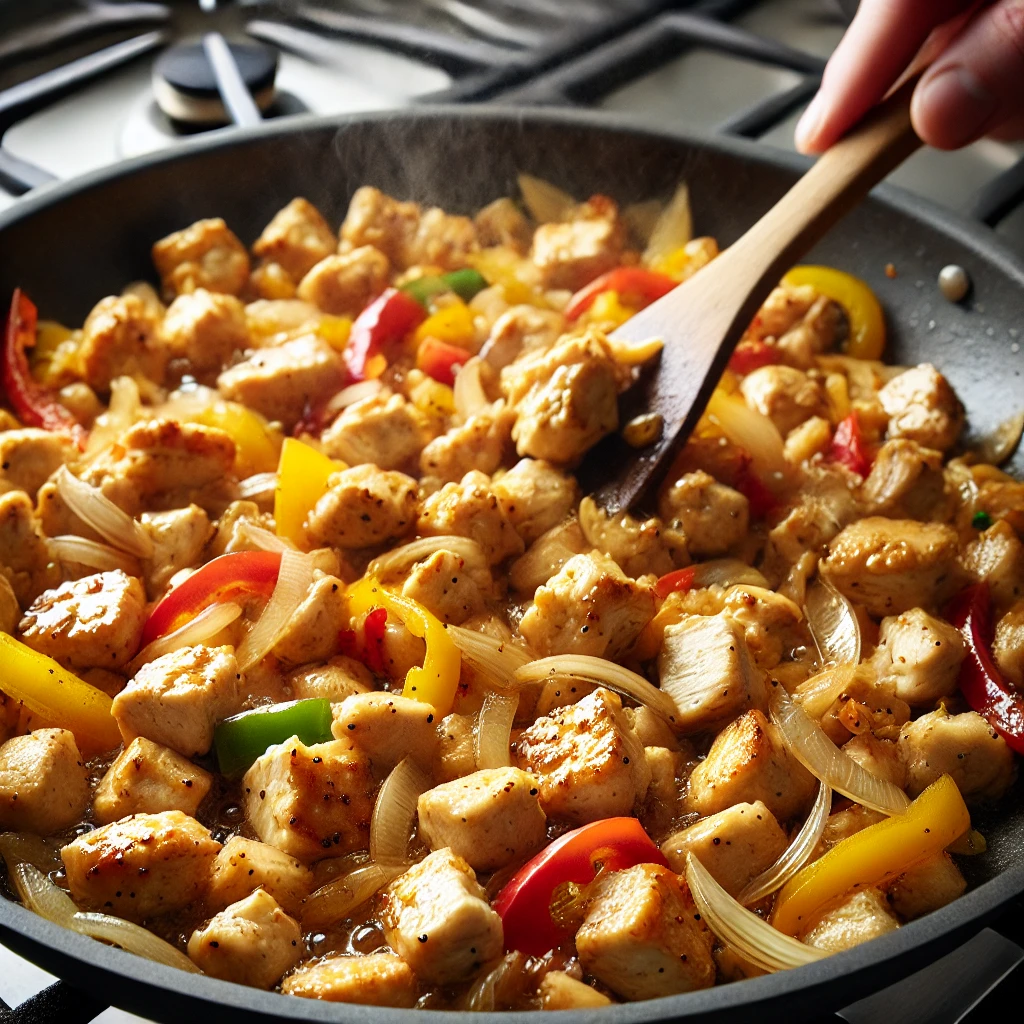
(702, 320)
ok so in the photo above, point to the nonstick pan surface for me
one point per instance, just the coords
(73, 243)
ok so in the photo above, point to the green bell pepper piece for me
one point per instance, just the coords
(464, 283)
(243, 738)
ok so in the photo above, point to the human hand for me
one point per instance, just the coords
(974, 84)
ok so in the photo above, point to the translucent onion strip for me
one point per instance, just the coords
(833, 624)
(469, 394)
(497, 659)
(42, 897)
(544, 201)
(260, 485)
(334, 901)
(394, 814)
(494, 730)
(16, 847)
(293, 582)
(752, 431)
(673, 229)
(350, 395)
(827, 763)
(69, 548)
(602, 673)
(263, 539)
(726, 572)
(208, 623)
(750, 936)
(132, 938)
(796, 854)
(399, 559)
(817, 694)
(95, 509)
(484, 996)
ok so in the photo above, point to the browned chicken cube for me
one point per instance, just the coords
(926, 886)
(28, 457)
(561, 991)
(519, 330)
(337, 679)
(503, 223)
(906, 482)
(920, 655)
(862, 916)
(480, 443)
(205, 329)
(384, 430)
(44, 785)
(570, 254)
(24, 556)
(207, 254)
(344, 284)
(997, 558)
(640, 547)
(377, 979)
(1008, 645)
(387, 727)
(296, 238)
(712, 517)
(244, 865)
(535, 496)
(179, 537)
(449, 586)
(922, 407)
(880, 757)
(121, 337)
(376, 219)
(312, 631)
(785, 395)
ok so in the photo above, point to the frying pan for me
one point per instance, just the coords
(70, 244)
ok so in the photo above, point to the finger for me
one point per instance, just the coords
(881, 41)
(977, 85)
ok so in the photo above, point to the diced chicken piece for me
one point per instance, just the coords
(1008, 645)
(205, 329)
(489, 818)
(478, 444)
(503, 223)
(121, 336)
(546, 556)
(963, 746)
(149, 778)
(811, 438)
(926, 886)
(587, 760)
(376, 979)
(442, 240)
(456, 750)
(879, 757)
(565, 397)
(296, 238)
(706, 668)
(376, 219)
(861, 917)
(824, 507)
(1003, 499)
(470, 508)
(588, 607)
(653, 731)
(811, 335)
(310, 802)
(748, 761)
(561, 991)
(997, 558)
(179, 537)
(177, 699)
(343, 284)
(771, 622)
(664, 802)
(387, 727)
(848, 822)
(341, 677)
(93, 622)
(282, 381)
(640, 547)
(24, 557)
(363, 507)
(448, 586)
(145, 865)
(312, 631)
(906, 482)
(252, 942)
(784, 308)
(28, 457)
(785, 395)
(44, 785)
(535, 496)
(923, 407)
(10, 610)
(712, 517)
(437, 919)
(519, 330)
(570, 254)
(735, 845)
(643, 936)
(920, 656)
(384, 430)
(892, 565)
(207, 254)
(243, 865)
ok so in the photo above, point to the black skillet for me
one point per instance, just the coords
(69, 245)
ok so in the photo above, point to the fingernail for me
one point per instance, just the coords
(960, 102)
(810, 120)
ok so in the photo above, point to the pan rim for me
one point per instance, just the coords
(890, 957)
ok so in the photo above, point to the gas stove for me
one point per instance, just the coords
(87, 84)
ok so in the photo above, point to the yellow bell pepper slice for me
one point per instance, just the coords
(302, 476)
(863, 310)
(874, 855)
(335, 330)
(52, 692)
(257, 444)
(437, 681)
(452, 323)
(608, 308)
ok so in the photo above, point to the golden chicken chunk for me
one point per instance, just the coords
(363, 506)
(926, 886)
(24, 557)
(569, 255)
(711, 516)
(535, 496)
(205, 329)
(922, 407)
(296, 238)
(44, 784)
(449, 586)
(906, 482)
(478, 444)
(387, 727)
(377, 979)
(384, 430)
(207, 254)
(785, 395)
(312, 632)
(121, 337)
(343, 284)
(28, 457)
(920, 655)
(862, 916)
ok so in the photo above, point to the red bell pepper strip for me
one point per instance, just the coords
(677, 580)
(389, 318)
(34, 405)
(762, 501)
(371, 651)
(981, 682)
(524, 903)
(439, 360)
(232, 575)
(629, 282)
(752, 355)
(847, 446)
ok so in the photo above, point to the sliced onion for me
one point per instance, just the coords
(399, 559)
(827, 763)
(749, 935)
(484, 994)
(833, 624)
(18, 847)
(334, 901)
(795, 855)
(817, 694)
(293, 583)
(545, 202)
(470, 397)
(69, 548)
(602, 673)
(42, 897)
(124, 409)
(753, 432)
(674, 228)
(263, 539)
(642, 218)
(725, 573)
(497, 659)
(352, 394)
(394, 814)
(259, 485)
(494, 730)
(208, 623)
(132, 938)
(95, 509)
(998, 446)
